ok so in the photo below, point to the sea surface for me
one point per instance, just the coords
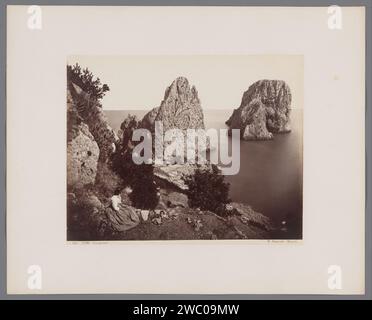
(270, 175)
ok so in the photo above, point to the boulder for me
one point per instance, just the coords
(177, 199)
(82, 158)
(264, 110)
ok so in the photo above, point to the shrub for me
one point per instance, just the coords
(139, 177)
(144, 194)
(85, 216)
(207, 190)
(122, 162)
(84, 79)
(107, 181)
(129, 124)
(123, 165)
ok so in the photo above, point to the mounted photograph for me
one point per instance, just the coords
(158, 150)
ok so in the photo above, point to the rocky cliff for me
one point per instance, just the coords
(82, 149)
(264, 110)
(90, 140)
(91, 113)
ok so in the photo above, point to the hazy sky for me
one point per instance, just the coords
(139, 82)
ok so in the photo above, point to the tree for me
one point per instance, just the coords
(139, 177)
(85, 80)
(207, 190)
(122, 161)
(144, 194)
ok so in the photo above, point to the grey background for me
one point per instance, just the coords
(368, 120)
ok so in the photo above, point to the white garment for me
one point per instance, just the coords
(115, 201)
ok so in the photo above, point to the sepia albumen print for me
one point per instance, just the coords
(184, 147)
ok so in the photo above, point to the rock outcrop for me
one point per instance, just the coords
(90, 111)
(175, 174)
(177, 199)
(252, 217)
(82, 158)
(264, 110)
(180, 108)
(82, 150)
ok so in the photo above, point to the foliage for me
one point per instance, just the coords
(85, 217)
(139, 177)
(107, 181)
(144, 194)
(122, 162)
(85, 80)
(129, 124)
(207, 190)
(73, 122)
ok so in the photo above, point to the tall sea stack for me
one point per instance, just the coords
(180, 108)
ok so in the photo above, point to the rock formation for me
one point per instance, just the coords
(90, 140)
(177, 199)
(82, 150)
(264, 110)
(250, 216)
(174, 174)
(82, 155)
(180, 108)
(90, 111)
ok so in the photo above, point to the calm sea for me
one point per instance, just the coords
(270, 176)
